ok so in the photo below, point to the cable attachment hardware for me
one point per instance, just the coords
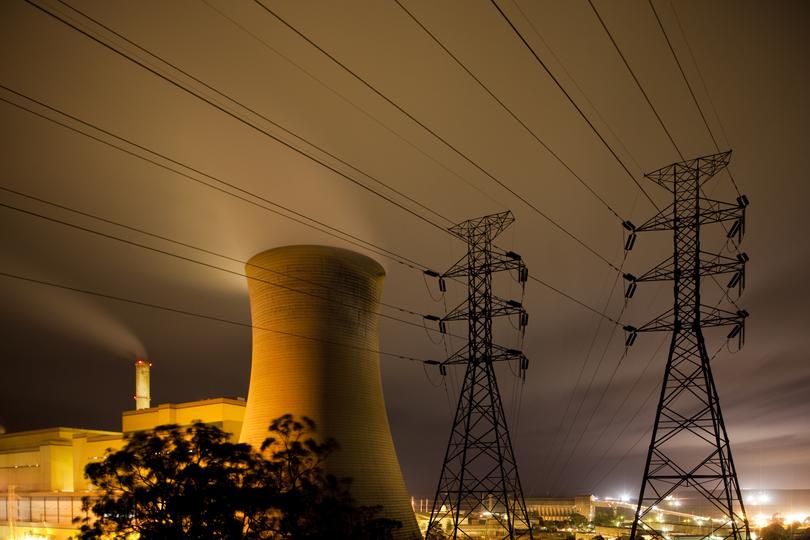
(442, 367)
(523, 272)
(739, 329)
(523, 322)
(632, 334)
(631, 240)
(738, 228)
(631, 286)
(442, 326)
(524, 367)
(738, 279)
(433, 273)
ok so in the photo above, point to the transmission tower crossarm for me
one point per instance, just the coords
(499, 308)
(498, 262)
(710, 316)
(710, 211)
(711, 264)
(716, 212)
(502, 354)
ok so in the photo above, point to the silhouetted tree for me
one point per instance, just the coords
(535, 516)
(577, 520)
(192, 483)
(802, 534)
(174, 483)
(774, 531)
(308, 503)
(604, 517)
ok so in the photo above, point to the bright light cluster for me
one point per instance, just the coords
(759, 498)
(762, 520)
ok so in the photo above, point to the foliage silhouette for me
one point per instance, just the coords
(177, 483)
(774, 531)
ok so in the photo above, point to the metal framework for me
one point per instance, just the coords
(689, 448)
(479, 478)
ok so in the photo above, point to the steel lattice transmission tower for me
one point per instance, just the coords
(690, 447)
(479, 477)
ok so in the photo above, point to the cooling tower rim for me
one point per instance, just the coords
(352, 258)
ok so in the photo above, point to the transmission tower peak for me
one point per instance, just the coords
(704, 168)
(690, 449)
(479, 479)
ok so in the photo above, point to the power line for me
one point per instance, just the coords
(689, 86)
(203, 316)
(576, 85)
(570, 455)
(299, 217)
(439, 137)
(574, 300)
(626, 397)
(700, 76)
(257, 128)
(265, 44)
(595, 372)
(674, 144)
(253, 111)
(195, 261)
(638, 83)
(652, 107)
(296, 216)
(509, 111)
(236, 116)
(354, 105)
(655, 111)
(571, 100)
(590, 384)
(627, 453)
(552, 454)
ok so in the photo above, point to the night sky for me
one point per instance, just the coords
(67, 356)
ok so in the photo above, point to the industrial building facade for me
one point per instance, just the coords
(42, 478)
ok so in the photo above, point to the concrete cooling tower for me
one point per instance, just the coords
(335, 379)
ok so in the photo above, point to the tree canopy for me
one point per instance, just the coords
(774, 531)
(192, 483)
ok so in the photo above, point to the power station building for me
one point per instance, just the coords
(315, 316)
(42, 471)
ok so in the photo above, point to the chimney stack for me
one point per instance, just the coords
(142, 396)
